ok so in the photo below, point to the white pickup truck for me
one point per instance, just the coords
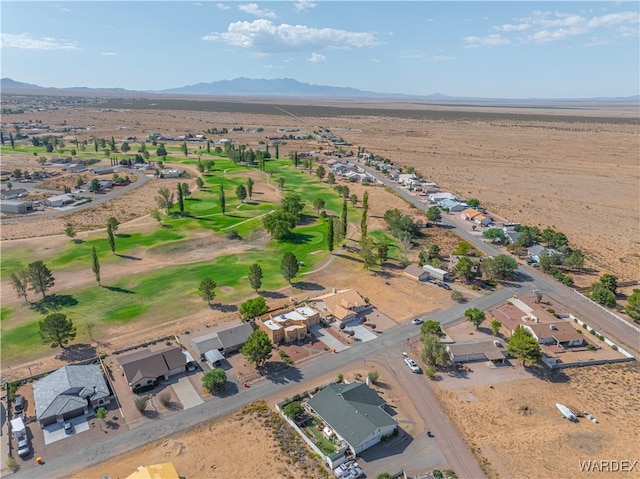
(22, 439)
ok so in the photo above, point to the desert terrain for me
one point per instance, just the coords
(575, 172)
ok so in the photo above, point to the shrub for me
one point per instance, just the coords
(437, 474)
(579, 332)
(430, 372)
(590, 346)
(593, 331)
(490, 282)
(614, 347)
(340, 377)
(551, 310)
(141, 403)
(233, 235)
(165, 398)
(475, 287)
(457, 296)
(12, 465)
(373, 376)
(600, 337)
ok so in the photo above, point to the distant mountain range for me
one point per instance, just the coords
(278, 87)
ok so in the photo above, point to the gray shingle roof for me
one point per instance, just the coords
(353, 411)
(233, 337)
(67, 388)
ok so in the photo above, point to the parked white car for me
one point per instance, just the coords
(412, 364)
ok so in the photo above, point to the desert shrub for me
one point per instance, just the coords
(590, 346)
(437, 474)
(233, 235)
(614, 347)
(457, 296)
(340, 377)
(450, 474)
(600, 337)
(165, 398)
(430, 372)
(593, 331)
(141, 403)
(11, 463)
(373, 376)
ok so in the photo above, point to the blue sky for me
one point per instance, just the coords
(475, 49)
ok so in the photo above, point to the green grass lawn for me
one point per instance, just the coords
(171, 292)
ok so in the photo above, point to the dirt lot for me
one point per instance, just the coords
(514, 426)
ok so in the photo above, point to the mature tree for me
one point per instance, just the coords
(57, 330)
(473, 202)
(318, 204)
(125, 148)
(457, 296)
(494, 234)
(209, 164)
(434, 215)
(466, 268)
(9, 185)
(255, 276)
(321, 172)
(354, 199)
(20, 282)
(186, 192)
(206, 289)
(94, 186)
(633, 305)
(250, 184)
(609, 282)
(523, 346)
(574, 260)
(281, 183)
(180, 199)
(40, 277)
(215, 381)
(257, 349)
(156, 215)
(407, 243)
(343, 219)
(253, 307)
(165, 199)
(365, 201)
(199, 182)
(292, 203)
(475, 316)
(434, 353)
(383, 252)
(432, 327)
(222, 199)
(70, 231)
(529, 235)
(95, 264)
(113, 223)
(241, 192)
(279, 224)
(289, 266)
(184, 148)
(602, 295)
(399, 223)
(111, 238)
(367, 253)
(330, 234)
(501, 267)
(294, 410)
(331, 178)
(548, 260)
(495, 327)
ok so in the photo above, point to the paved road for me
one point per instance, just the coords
(456, 452)
(531, 278)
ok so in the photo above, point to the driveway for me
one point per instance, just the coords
(361, 333)
(186, 393)
(325, 336)
(55, 432)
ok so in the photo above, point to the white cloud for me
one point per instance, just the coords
(542, 27)
(197, 4)
(26, 42)
(222, 6)
(109, 54)
(264, 35)
(317, 58)
(303, 5)
(422, 56)
(253, 9)
(273, 67)
(492, 40)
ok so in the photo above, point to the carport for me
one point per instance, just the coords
(214, 357)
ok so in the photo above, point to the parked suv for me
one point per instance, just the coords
(23, 447)
(18, 404)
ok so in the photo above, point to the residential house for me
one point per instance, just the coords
(537, 251)
(76, 168)
(452, 205)
(16, 207)
(59, 200)
(471, 214)
(511, 236)
(60, 161)
(342, 305)
(107, 170)
(436, 273)
(355, 413)
(170, 173)
(69, 392)
(468, 351)
(13, 193)
(436, 198)
(561, 333)
(232, 339)
(289, 325)
(407, 179)
(416, 272)
(146, 366)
